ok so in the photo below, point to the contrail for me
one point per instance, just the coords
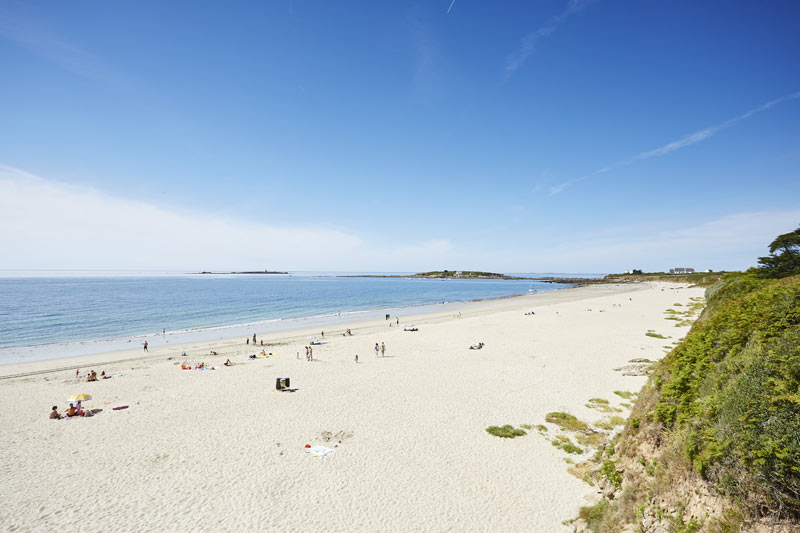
(451, 6)
(683, 142)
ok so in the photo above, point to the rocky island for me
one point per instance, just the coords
(246, 272)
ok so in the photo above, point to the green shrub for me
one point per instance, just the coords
(609, 471)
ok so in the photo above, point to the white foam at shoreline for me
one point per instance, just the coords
(45, 352)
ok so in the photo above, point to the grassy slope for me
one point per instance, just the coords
(721, 413)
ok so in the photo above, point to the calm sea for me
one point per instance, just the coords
(45, 317)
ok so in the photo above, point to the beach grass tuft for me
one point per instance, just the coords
(506, 432)
(566, 421)
(564, 443)
(602, 405)
(611, 422)
(591, 440)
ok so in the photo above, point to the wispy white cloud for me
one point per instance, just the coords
(52, 225)
(27, 29)
(428, 80)
(683, 142)
(528, 44)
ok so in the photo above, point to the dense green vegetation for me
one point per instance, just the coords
(723, 406)
(731, 393)
(784, 256)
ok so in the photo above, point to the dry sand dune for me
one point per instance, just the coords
(222, 450)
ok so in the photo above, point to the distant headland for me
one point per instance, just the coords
(476, 274)
(246, 272)
(696, 278)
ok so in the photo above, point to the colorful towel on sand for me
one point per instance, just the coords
(320, 451)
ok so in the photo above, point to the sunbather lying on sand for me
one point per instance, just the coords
(476, 346)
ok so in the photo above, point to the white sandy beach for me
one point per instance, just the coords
(222, 450)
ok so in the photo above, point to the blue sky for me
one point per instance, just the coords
(589, 136)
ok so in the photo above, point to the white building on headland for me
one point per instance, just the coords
(681, 270)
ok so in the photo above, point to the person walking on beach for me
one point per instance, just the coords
(377, 349)
(398, 321)
(247, 341)
(254, 338)
(310, 353)
(145, 346)
(383, 350)
(306, 353)
(356, 358)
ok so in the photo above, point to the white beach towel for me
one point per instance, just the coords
(319, 451)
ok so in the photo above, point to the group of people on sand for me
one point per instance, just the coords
(91, 376)
(247, 341)
(72, 410)
(380, 349)
(347, 333)
(478, 346)
(309, 353)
